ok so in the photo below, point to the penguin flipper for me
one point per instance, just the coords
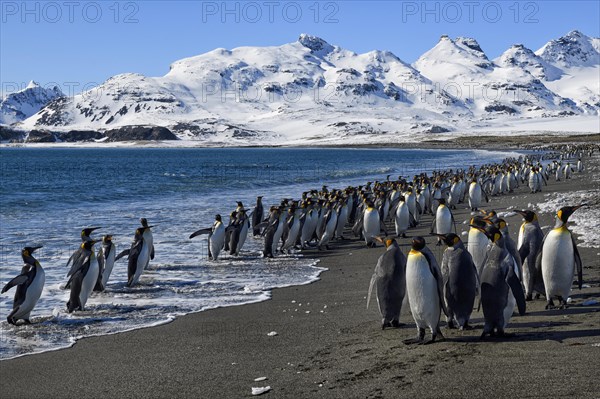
(578, 263)
(122, 254)
(523, 252)
(517, 289)
(433, 223)
(20, 279)
(200, 232)
(152, 253)
(434, 268)
(371, 284)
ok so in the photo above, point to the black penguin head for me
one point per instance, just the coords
(28, 251)
(86, 232)
(493, 233)
(565, 212)
(107, 238)
(477, 221)
(144, 222)
(418, 243)
(528, 215)
(449, 239)
(218, 217)
(240, 204)
(442, 201)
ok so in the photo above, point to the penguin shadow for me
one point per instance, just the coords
(570, 310)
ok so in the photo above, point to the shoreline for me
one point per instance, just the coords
(454, 142)
(337, 348)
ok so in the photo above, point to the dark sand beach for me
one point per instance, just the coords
(329, 345)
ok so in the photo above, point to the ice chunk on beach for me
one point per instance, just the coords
(272, 333)
(260, 379)
(260, 390)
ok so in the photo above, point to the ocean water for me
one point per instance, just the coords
(48, 195)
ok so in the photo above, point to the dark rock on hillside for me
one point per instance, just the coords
(79, 135)
(7, 134)
(137, 133)
(41, 136)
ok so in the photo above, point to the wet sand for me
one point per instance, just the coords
(329, 345)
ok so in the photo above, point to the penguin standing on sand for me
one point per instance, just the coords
(372, 224)
(29, 283)
(497, 278)
(83, 277)
(529, 244)
(477, 242)
(461, 282)
(476, 193)
(443, 221)
(389, 280)
(106, 261)
(216, 237)
(424, 287)
(559, 259)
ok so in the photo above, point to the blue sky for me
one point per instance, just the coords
(82, 43)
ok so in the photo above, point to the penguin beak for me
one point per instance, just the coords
(35, 248)
(522, 213)
(578, 206)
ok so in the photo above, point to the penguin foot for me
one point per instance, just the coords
(26, 321)
(451, 325)
(529, 298)
(550, 305)
(431, 341)
(411, 341)
(537, 296)
(11, 321)
(396, 324)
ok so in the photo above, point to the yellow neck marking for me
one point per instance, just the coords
(414, 252)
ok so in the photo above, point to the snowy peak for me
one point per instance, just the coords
(524, 58)
(572, 50)
(22, 104)
(316, 45)
(462, 51)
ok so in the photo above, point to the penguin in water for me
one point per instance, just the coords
(559, 258)
(257, 216)
(106, 261)
(238, 231)
(216, 237)
(85, 236)
(461, 281)
(83, 277)
(529, 244)
(149, 238)
(424, 287)
(138, 255)
(271, 226)
(498, 276)
(29, 283)
(389, 280)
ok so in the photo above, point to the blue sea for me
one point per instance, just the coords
(47, 195)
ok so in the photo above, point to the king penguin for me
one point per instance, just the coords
(529, 244)
(149, 239)
(389, 280)
(443, 221)
(216, 237)
(106, 261)
(497, 277)
(371, 224)
(83, 277)
(461, 282)
(424, 287)
(29, 283)
(559, 259)
(139, 255)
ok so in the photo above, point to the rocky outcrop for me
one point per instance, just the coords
(138, 133)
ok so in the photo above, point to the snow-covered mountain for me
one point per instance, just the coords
(20, 105)
(312, 91)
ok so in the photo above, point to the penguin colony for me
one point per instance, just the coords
(491, 266)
